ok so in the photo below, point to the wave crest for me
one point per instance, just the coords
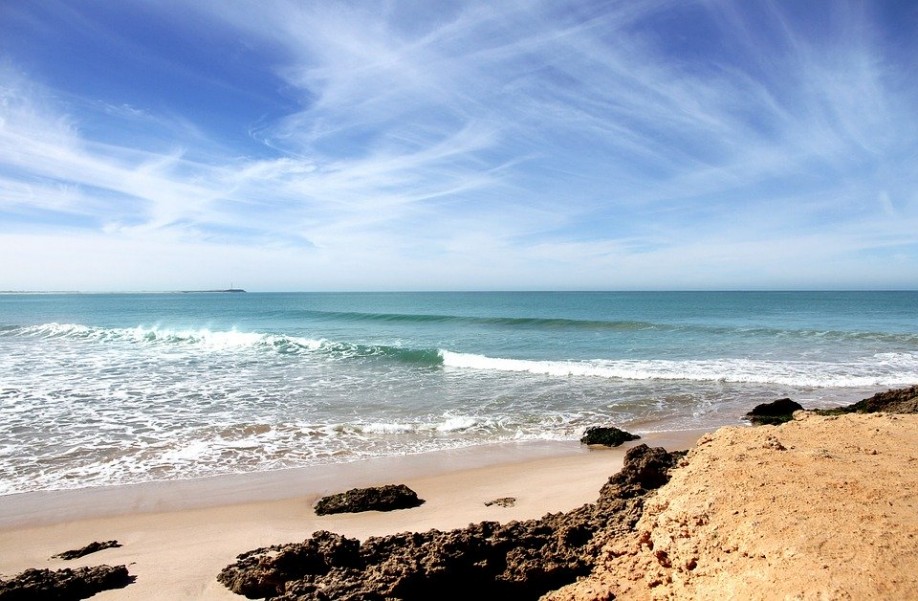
(886, 369)
(227, 341)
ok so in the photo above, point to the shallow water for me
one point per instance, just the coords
(117, 388)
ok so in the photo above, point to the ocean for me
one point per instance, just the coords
(108, 389)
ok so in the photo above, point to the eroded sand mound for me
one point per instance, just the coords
(823, 507)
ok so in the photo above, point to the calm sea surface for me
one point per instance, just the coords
(117, 388)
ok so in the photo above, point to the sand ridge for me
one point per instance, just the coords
(819, 508)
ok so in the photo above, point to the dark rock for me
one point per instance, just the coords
(90, 548)
(502, 502)
(265, 572)
(902, 400)
(379, 498)
(645, 469)
(773, 413)
(63, 585)
(517, 560)
(608, 436)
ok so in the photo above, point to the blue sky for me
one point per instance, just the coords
(458, 145)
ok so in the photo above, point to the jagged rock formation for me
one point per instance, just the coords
(518, 560)
(377, 498)
(63, 585)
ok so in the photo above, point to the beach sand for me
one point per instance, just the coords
(177, 536)
(818, 508)
(823, 507)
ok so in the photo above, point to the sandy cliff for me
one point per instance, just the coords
(823, 507)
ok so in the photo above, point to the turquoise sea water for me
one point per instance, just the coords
(117, 388)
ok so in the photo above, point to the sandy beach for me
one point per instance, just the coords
(177, 536)
(822, 507)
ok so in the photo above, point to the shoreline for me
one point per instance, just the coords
(175, 543)
(820, 506)
(39, 508)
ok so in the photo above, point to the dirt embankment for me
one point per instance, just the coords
(823, 507)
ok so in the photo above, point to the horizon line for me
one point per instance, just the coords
(460, 291)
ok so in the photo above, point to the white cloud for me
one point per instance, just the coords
(524, 143)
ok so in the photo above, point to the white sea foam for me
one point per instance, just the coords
(383, 428)
(192, 451)
(457, 424)
(884, 369)
(448, 424)
(201, 338)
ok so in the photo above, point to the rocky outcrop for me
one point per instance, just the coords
(63, 585)
(517, 560)
(378, 498)
(90, 548)
(774, 413)
(902, 400)
(609, 436)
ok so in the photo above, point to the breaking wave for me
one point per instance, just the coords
(227, 341)
(887, 369)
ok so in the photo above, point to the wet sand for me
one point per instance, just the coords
(177, 536)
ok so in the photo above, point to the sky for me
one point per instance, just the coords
(436, 145)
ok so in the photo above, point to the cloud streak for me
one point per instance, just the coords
(522, 145)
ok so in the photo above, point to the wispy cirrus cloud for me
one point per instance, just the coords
(509, 143)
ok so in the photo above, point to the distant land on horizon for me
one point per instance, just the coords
(214, 291)
(463, 291)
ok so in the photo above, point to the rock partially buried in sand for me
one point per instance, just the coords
(90, 548)
(774, 413)
(378, 498)
(608, 436)
(63, 585)
(502, 502)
